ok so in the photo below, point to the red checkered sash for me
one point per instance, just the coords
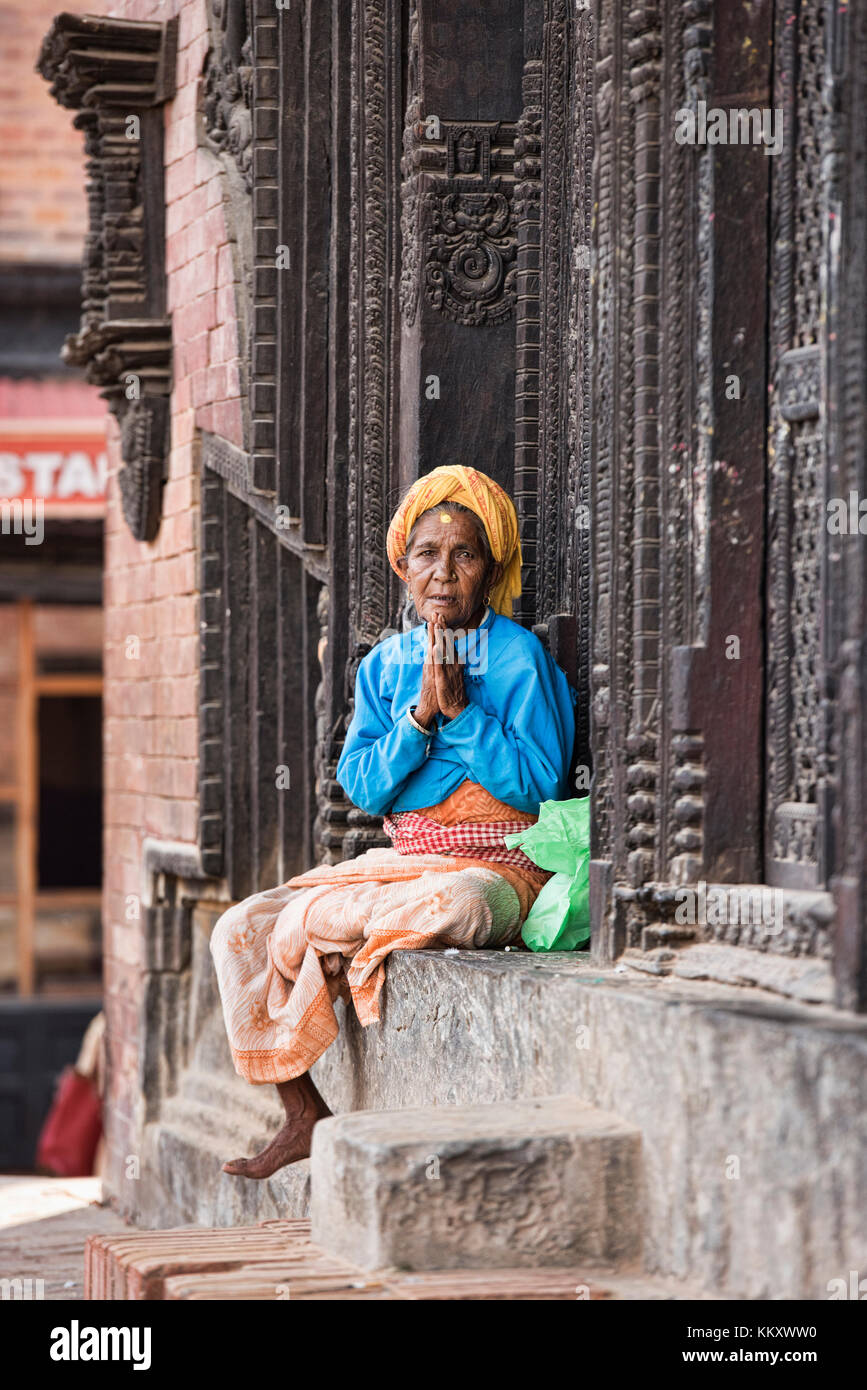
(411, 833)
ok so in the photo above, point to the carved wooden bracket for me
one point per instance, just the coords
(116, 73)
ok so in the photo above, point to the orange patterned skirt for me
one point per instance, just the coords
(285, 955)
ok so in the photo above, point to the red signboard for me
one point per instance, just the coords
(62, 463)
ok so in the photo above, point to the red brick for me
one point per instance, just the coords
(183, 426)
(177, 249)
(181, 395)
(192, 355)
(187, 208)
(176, 696)
(224, 342)
(227, 421)
(177, 656)
(201, 387)
(177, 533)
(181, 136)
(195, 316)
(181, 178)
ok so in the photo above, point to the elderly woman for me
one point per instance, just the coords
(462, 726)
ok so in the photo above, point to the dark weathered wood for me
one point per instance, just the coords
(732, 678)
(237, 714)
(117, 74)
(314, 271)
(298, 675)
(459, 243)
(290, 304)
(844, 617)
(265, 618)
(262, 61)
(212, 679)
(797, 536)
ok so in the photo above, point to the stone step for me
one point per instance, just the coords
(546, 1181)
(278, 1261)
(185, 1155)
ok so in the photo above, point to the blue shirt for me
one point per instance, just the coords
(514, 737)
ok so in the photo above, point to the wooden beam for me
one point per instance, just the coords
(62, 684)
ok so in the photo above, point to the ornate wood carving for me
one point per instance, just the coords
(642, 743)
(526, 205)
(553, 203)
(375, 121)
(459, 233)
(605, 823)
(228, 85)
(795, 738)
(469, 271)
(685, 433)
(843, 778)
(670, 514)
(116, 74)
(413, 128)
(265, 23)
(212, 672)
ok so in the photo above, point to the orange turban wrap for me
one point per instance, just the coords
(455, 483)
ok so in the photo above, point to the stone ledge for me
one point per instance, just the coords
(796, 977)
(752, 1109)
(529, 1183)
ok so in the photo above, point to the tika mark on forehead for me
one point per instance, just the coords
(445, 518)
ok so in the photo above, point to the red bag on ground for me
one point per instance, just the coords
(72, 1129)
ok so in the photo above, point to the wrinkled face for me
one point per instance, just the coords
(447, 568)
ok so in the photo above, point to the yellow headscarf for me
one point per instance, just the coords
(455, 483)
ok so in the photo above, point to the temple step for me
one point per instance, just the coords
(524, 1183)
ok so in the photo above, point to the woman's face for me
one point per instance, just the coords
(447, 568)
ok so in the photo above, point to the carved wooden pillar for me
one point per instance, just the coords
(116, 74)
(795, 828)
(685, 436)
(610, 482)
(526, 204)
(642, 743)
(844, 617)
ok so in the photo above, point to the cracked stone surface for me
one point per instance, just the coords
(550, 1181)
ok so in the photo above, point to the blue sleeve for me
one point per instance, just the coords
(378, 757)
(524, 758)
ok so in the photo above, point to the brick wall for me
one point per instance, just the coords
(42, 209)
(151, 600)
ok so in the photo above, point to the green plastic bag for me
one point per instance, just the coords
(559, 919)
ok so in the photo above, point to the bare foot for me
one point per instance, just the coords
(304, 1108)
(288, 1145)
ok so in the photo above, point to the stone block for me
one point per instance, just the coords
(546, 1181)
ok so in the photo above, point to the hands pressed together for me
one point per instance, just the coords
(442, 687)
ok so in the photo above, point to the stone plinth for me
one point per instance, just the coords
(523, 1183)
(752, 1110)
